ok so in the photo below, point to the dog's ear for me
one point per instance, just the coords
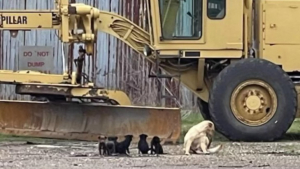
(210, 125)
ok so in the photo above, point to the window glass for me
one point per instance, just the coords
(216, 9)
(181, 19)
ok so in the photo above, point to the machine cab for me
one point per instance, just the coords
(197, 28)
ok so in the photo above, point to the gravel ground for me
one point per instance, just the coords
(65, 155)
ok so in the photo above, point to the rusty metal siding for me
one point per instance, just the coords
(115, 66)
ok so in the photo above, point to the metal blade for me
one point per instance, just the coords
(86, 122)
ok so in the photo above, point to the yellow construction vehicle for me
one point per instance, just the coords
(233, 54)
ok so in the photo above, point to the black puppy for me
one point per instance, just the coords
(101, 145)
(111, 143)
(143, 146)
(156, 146)
(123, 147)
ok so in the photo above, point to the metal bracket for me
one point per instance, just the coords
(200, 74)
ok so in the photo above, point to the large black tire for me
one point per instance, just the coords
(252, 69)
(204, 110)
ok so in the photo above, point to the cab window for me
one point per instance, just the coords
(216, 9)
(181, 19)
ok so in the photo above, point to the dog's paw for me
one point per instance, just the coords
(188, 154)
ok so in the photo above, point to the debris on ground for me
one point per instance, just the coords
(67, 155)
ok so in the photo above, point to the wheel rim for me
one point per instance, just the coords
(253, 102)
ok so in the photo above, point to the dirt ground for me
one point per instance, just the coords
(65, 155)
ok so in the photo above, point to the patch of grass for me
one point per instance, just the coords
(295, 128)
(294, 131)
(192, 119)
(14, 138)
(4, 137)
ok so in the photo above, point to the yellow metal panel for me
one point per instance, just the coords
(22, 21)
(284, 55)
(281, 23)
(11, 77)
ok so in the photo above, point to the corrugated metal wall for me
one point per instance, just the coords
(116, 65)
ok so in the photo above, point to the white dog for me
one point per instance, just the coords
(202, 145)
(199, 137)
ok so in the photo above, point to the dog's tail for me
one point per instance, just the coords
(215, 149)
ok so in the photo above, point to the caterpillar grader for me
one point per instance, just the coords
(232, 54)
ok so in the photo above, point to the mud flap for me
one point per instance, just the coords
(86, 122)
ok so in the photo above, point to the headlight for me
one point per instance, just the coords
(147, 50)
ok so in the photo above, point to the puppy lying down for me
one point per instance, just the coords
(199, 137)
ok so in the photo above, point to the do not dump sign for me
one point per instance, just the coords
(38, 58)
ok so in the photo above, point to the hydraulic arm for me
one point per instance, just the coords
(75, 23)
(78, 23)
